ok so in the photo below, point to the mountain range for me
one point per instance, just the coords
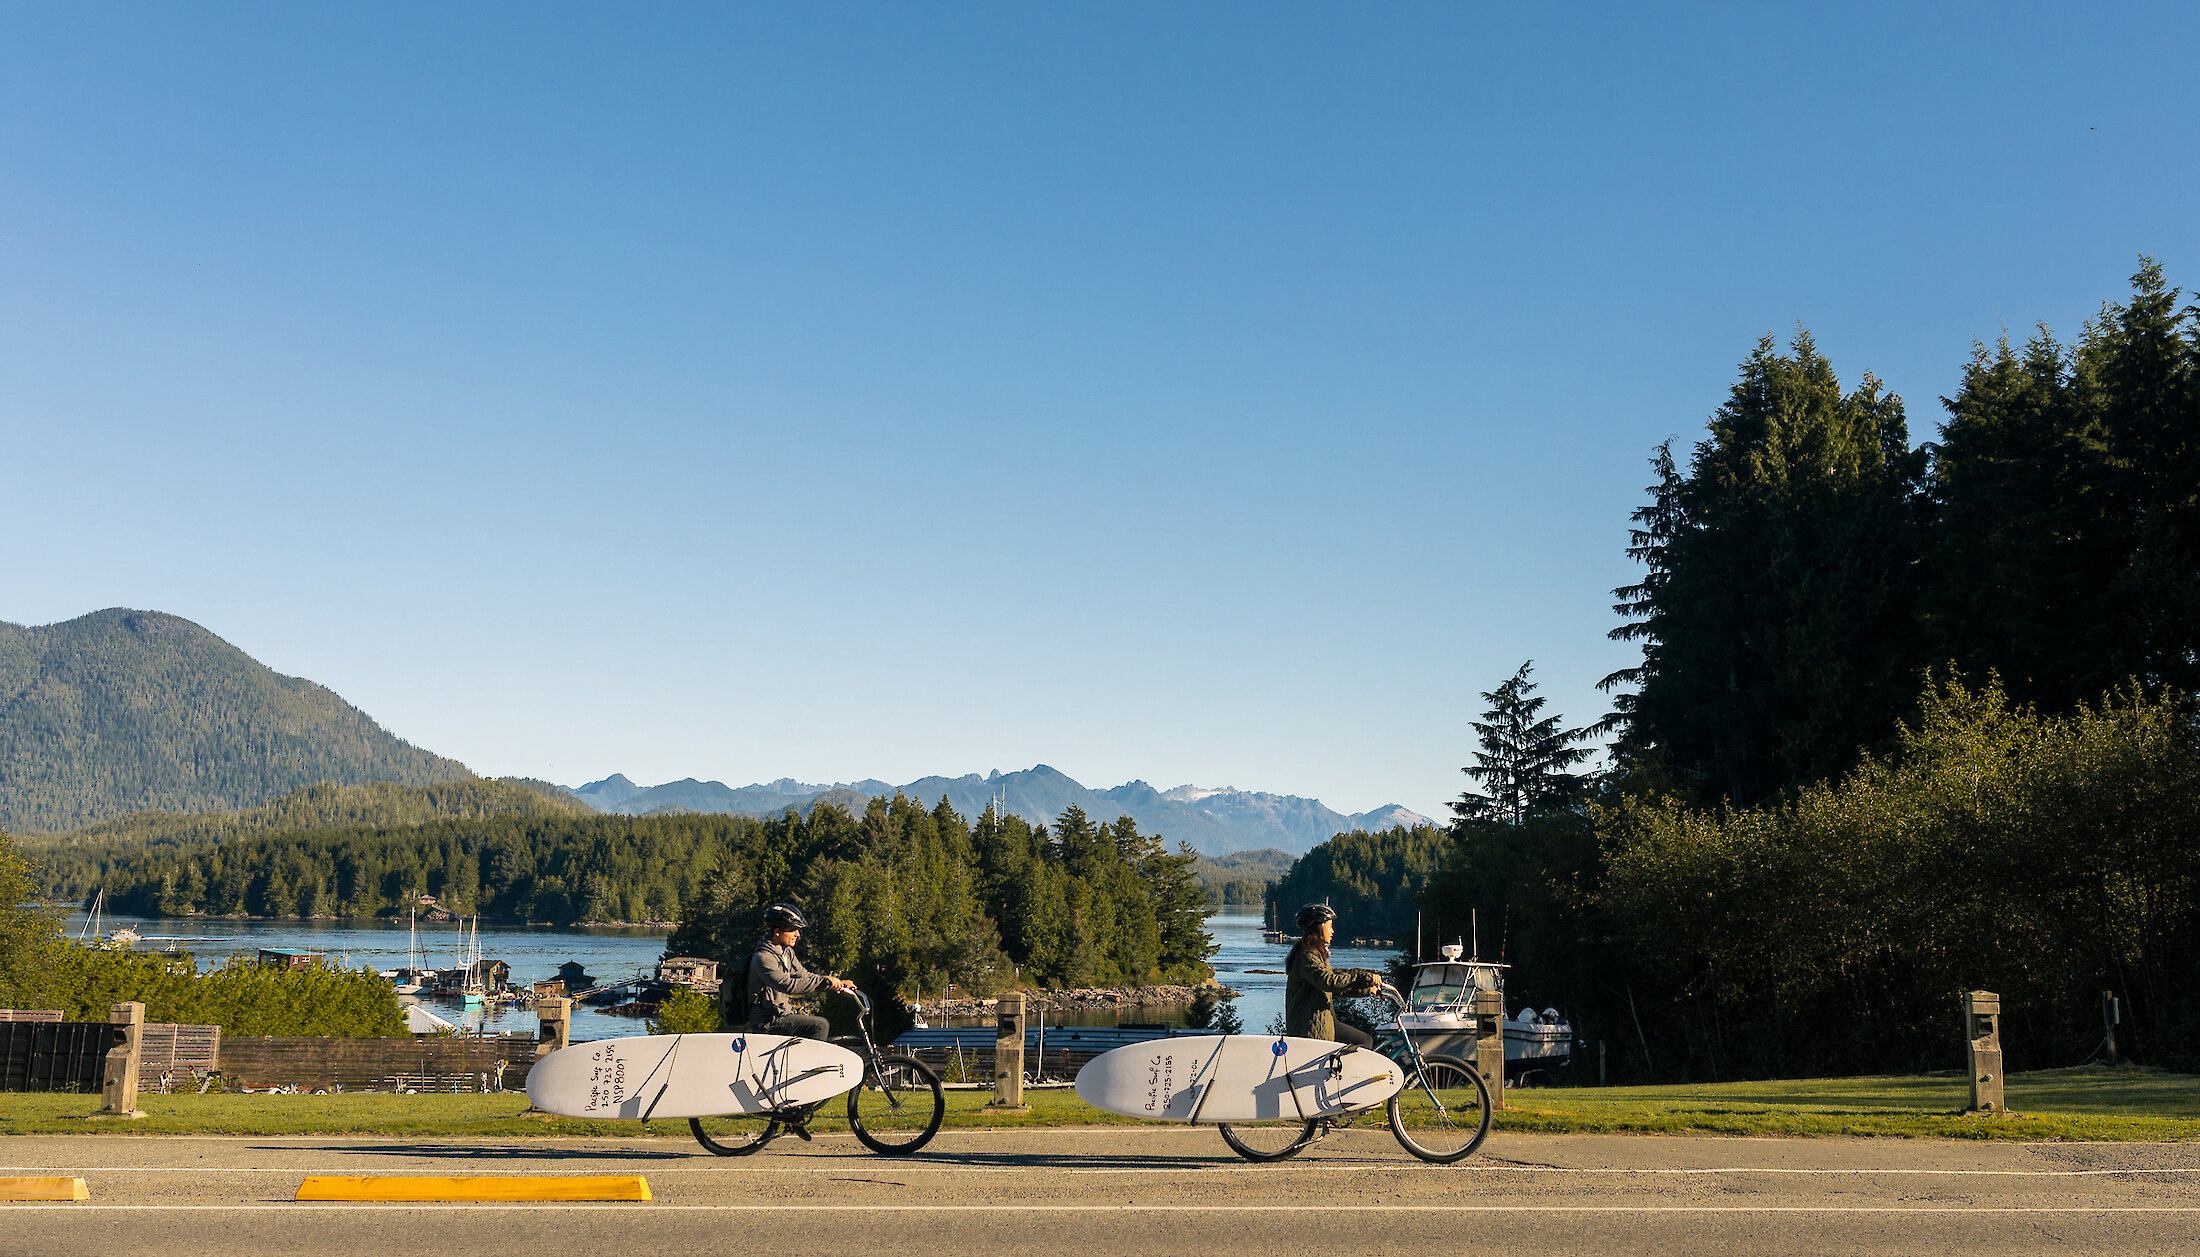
(1215, 821)
(122, 711)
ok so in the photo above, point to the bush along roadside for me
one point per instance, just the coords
(241, 997)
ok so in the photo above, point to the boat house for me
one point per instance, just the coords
(692, 972)
(285, 958)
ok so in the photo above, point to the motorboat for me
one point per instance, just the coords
(1442, 1020)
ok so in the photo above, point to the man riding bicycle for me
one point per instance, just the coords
(775, 975)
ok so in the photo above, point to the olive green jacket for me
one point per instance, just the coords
(1310, 994)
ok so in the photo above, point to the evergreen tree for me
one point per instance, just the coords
(1524, 759)
(2024, 557)
(2067, 557)
(2138, 370)
(1778, 616)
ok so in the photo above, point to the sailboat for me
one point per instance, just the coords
(472, 994)
(90, 936)
(410, 975)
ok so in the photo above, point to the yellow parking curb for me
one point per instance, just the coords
(614, 1187)
(44, 1189)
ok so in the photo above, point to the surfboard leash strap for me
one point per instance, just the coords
(1292, 1088)
(1208, 1087)
(666, 1085)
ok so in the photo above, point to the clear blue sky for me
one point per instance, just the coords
(1211, 393)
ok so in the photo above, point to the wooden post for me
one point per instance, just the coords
(1600, 1063)
(556, 1025)
(1008, 1056)
(119, 1088)
(2109, 1020)
(1982, 1030)
(1489, 1046)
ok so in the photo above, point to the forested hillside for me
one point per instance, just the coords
(1241, 878)
(909, 900)
(1074, 904)
(127, 711)
(1372, 880)
(75, 864)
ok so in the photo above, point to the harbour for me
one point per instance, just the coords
(628, 954)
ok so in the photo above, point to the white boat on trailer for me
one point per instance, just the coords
(1442, 1020)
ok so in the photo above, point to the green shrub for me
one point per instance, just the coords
(241, 997)
(686, 1012)
(2045, 858)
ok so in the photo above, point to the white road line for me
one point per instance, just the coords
(1225, 1168)
(654, 1207)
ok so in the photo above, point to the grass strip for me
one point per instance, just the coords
(2123, 1104)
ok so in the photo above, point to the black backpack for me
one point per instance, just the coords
(733, 995)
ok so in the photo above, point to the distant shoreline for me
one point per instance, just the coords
(661, 926)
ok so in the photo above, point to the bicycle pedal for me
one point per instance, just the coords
(801, 1131)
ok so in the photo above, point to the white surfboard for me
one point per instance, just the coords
(690, 1075)
(1237, 1078)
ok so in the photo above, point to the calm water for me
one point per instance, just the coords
(1243, 962)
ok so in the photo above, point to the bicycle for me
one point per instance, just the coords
(888, 1110)
(1440, 1115)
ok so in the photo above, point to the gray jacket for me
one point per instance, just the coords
(775, 975)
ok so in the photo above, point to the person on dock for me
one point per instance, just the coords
(1310, 991)
(776, 975)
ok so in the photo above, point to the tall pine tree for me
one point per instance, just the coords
(1778, 616)
(2067, 556)
(2136, 370)
(1525, 759)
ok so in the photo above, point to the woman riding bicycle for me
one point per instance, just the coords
(1311, 989)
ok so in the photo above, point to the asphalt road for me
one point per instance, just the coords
(1141, 1190)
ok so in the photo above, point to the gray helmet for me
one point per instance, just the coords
(1314, 914)
(784, 916)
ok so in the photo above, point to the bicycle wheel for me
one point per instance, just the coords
(736, 1134)
(1269, 1141)
(1442, 1114)
(898, 1108)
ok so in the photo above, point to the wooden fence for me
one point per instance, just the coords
(166, 1047)
(55, 1055)
(411, 1064)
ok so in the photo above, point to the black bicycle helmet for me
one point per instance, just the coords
(1314, 914)
(784, 916)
